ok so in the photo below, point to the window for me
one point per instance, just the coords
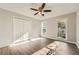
(62, 28)
(43, 28)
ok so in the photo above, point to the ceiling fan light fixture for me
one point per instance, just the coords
(40, 13)
(40, 10)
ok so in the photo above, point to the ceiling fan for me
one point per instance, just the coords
(40, 10)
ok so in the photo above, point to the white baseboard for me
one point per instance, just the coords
(62, 40)
(4, 44)
(71, 42)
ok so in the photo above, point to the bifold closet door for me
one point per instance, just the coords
(20, 29)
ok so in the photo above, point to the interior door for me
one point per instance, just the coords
(20, 29)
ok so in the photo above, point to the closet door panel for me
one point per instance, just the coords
(18, 29)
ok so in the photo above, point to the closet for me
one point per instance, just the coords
(21, 29)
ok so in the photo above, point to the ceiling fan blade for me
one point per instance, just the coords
(43, 5)
(36, 13)
(47, 10)
(34, 9)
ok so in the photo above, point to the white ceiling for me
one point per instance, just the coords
(57, 9)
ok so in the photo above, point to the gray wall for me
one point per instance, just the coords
(35, 29)
(51, 28)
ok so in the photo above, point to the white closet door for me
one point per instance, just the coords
(18, 27)
(21, 29)
(26, 29)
